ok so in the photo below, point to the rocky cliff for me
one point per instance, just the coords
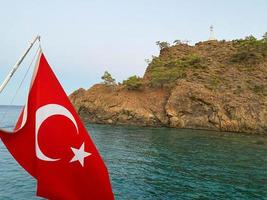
(214, 85)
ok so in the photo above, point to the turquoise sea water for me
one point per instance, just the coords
(161, 163)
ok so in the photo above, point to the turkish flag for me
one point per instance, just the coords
(51, 143)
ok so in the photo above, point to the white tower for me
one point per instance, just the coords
(212, 36)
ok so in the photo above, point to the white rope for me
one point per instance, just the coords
(19, 87)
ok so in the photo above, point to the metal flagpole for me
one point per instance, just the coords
(16, 66)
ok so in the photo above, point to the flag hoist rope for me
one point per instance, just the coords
(16, 66)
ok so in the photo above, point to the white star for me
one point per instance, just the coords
(79, 154)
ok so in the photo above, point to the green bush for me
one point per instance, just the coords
(162, 76)
(133, 83)
(250, 51)
(166, 72)
(259, 89)
(215, 82)
(192, 60)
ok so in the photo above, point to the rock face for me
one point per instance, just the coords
(115, 105)
(223, 96)
(192, 105)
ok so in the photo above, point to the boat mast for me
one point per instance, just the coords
(16, 66)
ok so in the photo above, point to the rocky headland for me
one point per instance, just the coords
(215, 85)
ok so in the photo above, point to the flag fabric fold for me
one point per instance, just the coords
(51, 143)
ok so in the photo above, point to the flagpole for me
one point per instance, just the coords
(16, 66)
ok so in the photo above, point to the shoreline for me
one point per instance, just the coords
(262, 134)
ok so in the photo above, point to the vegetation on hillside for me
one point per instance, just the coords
(166, 72)
(180, 59)
(133, 83)
(250, 51)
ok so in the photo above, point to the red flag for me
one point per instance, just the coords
(51, 143)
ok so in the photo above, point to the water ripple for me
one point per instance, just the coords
(151, 163)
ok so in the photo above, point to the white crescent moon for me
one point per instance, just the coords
(41, 115)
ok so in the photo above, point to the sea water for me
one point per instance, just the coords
(161, 163)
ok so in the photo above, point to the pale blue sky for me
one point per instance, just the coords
(82, 39)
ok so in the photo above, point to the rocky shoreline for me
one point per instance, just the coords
(220, 95)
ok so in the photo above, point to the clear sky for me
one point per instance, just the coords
(83, 38)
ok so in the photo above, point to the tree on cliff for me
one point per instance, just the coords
(177, 42)
(162, 45)
(264, 37)
(108, 79)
